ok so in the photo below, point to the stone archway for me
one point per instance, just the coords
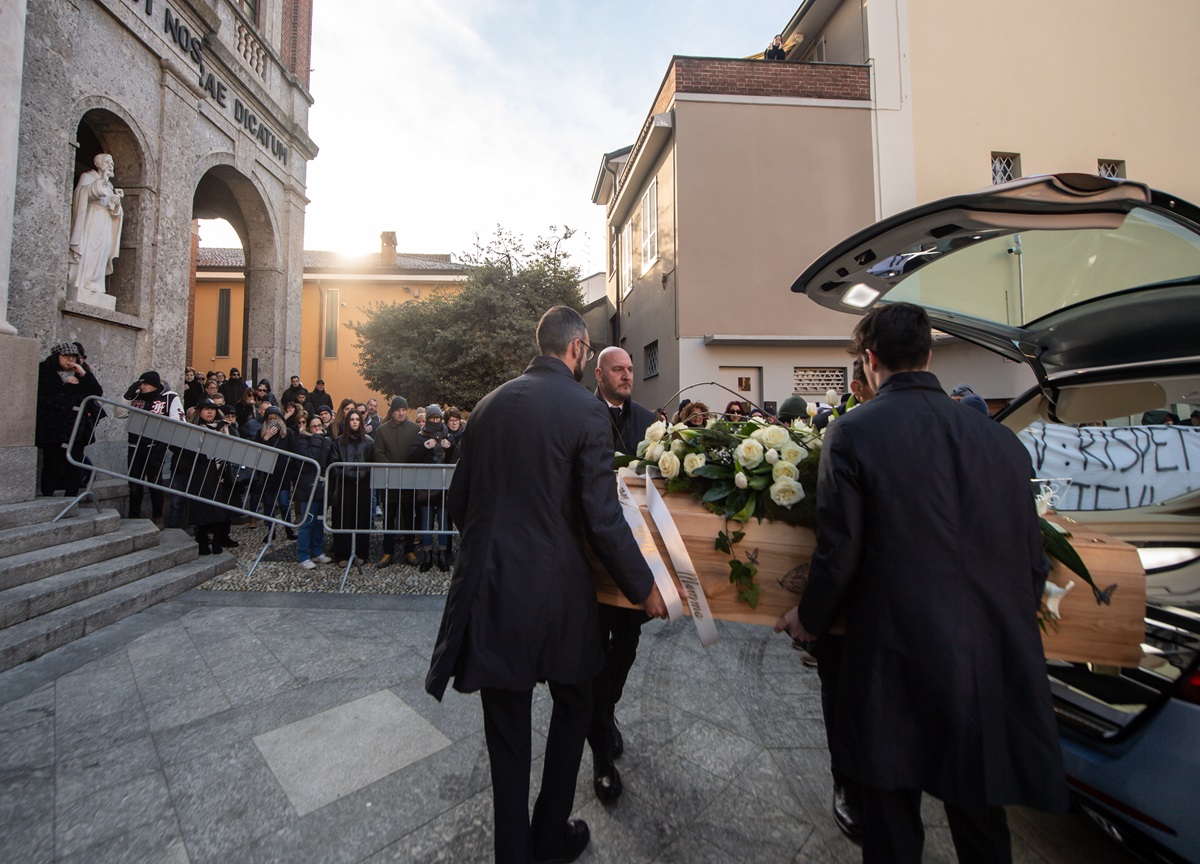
(224, 192)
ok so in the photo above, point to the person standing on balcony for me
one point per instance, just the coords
(775, 49)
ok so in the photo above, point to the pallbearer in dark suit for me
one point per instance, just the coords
(620, 629)
(928, 537)
(534, 479)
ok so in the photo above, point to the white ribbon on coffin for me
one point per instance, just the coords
(645, 540)
(706, 629)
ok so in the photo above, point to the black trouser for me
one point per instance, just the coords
(620, 630)
(828, 651)
(399, 514)
(893, 831)
(507, 728)
(58, 473)
(145, 463)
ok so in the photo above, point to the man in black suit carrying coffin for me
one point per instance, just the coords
(620, 629)
(534, 479)
(928, 539)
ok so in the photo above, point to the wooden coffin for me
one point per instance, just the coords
(1087, 632)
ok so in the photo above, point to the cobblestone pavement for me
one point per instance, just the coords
(227, 726)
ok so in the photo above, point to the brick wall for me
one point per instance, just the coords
(296, 47)
(765, 78)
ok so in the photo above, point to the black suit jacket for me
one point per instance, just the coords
(928, 536)
(630, 428)
(533, 486)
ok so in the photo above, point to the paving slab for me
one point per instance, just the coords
(229, 727)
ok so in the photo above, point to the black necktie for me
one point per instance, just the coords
(616, 415)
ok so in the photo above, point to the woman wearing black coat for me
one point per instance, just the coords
(350, 489)
(63, 384)
(210, 479)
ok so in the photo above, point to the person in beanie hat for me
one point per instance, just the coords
(961, 390)
(393, 441)
(433, 446)
(63, 383)
(793, 408)
(146, 456)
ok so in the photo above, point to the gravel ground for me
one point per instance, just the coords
(278, 570)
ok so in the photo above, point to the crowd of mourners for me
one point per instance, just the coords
(297, 421)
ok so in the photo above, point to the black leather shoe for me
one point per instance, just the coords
(426, 562)
(574, 842)
(616, 745)
(606, 780)
(846, 813)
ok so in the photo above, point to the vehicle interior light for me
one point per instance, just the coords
(860, 296)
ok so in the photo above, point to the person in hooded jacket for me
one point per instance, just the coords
(434, 445)
(311, 442)
(193, 389)
(350, 489)
(146, 456)
(263, 393)
(63, 384)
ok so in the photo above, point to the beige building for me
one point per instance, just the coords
(744, 171)
(336, 292)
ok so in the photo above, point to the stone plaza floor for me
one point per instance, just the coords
(244, 727)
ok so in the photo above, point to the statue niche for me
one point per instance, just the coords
(96, 220)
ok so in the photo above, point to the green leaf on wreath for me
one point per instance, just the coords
(746, 512)
(714, 472)
(623, 460)
(717, 492)
(1057, 546)
(760, 481)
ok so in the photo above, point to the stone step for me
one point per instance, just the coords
(130, 536)
(88, 523)
(34, 511)
(53, 592)
(37, 636)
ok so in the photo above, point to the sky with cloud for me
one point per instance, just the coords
(442, 120)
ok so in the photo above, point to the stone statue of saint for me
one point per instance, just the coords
(96, 220)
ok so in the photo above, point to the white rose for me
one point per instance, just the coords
(749, 453)
(774, 436)
(785, 469)
(656, 431)
(786, 492)
(668, 464)
(740, 481)
(772, 457)
(678, 447)
(792, 452)
(654, 452)
(642, 448)
(692, 461)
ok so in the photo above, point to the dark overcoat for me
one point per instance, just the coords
(629, 425)
(928, 537)
(534, 485)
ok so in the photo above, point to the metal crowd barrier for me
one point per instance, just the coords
(389, 502)
(241, 476)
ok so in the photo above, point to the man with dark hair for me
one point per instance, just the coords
(294, 387)
(234, 387)
(319, 397)
(929, 541)
(620, 629)
(522, 603)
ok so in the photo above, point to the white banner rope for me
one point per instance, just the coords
(645, 540)
(706, 628)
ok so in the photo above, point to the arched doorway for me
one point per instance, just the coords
(223, 192)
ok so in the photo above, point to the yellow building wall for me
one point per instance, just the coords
(340, 374)
(204, 357)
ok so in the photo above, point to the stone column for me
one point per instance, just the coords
(12, 59)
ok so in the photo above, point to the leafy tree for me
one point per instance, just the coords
(454, 349)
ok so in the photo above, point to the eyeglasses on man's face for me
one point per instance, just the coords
(588, 349)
